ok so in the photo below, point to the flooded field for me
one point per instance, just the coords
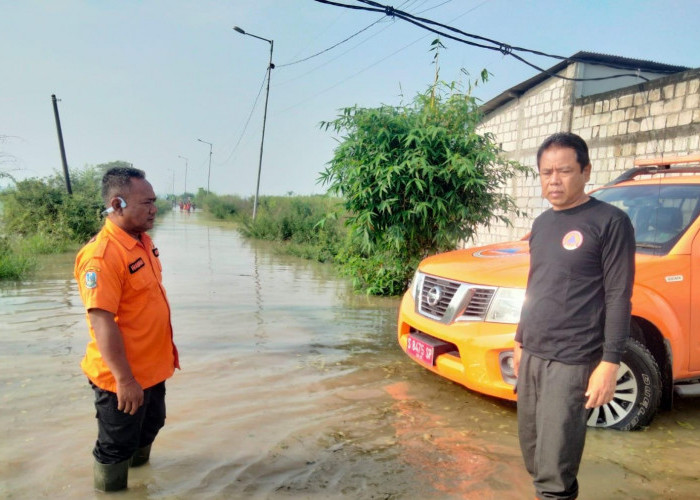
(291, 387)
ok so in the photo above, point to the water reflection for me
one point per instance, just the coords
(259, 310)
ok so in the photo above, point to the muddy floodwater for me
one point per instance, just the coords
(291, 387)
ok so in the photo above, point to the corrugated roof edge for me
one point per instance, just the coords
(582, 56)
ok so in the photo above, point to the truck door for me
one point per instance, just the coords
(694, 341)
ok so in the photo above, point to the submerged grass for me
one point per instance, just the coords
(310, 227)
(14, 263)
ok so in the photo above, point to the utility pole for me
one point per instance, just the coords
(208, 171)
(186, 160)
(60, 143)
(270, 67)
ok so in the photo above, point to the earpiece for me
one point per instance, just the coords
(122, 203)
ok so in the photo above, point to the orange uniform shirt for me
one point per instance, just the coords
(119, 274)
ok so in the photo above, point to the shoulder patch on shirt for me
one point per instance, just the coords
(91, 279)
(156, 252)
(136, 265)
(572, 240)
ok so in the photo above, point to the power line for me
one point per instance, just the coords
(316, 94)
(245, 127)
(307, 73)
(318, 34)
(358, 73)
(434, 7)
(504, 48)
(355, 34)
(331, 47)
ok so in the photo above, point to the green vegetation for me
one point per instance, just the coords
(223, 206)
(415, 180)
(39, 217)
(42, 207)
(14, 262)
(307, 226)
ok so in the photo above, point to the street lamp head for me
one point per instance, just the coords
(240, 30)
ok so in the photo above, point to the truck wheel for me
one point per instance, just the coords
(637, 395)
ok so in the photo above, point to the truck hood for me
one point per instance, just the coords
(502, 264)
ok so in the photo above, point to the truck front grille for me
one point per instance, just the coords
(436, 296)
(447, 300)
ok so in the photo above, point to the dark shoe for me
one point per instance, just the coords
(111, 477)
(141, 456)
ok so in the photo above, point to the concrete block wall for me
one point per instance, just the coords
(655, 119)
(661, 117)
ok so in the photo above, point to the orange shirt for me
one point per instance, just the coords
(122, 275)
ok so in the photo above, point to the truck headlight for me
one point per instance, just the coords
(506, 305)
(416, 284)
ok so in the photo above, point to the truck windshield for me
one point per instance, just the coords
(660, 214)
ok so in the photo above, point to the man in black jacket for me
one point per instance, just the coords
(575, 321)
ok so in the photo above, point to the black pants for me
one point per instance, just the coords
(119, 434)
(552, 423)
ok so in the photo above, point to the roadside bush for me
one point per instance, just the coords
(224, 207)
(36, 206)
(376, 273)
(415, 180)
(309, 226)
(42, 218)
(163, 206)
(14, 264)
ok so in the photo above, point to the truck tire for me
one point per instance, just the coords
(637, 395)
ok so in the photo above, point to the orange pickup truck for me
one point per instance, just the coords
(459, 316)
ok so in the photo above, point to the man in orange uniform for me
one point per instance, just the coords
(131, 351)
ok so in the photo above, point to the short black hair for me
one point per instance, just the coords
(566, 140)
(117, 180)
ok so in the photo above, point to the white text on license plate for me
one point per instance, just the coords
(421, 351)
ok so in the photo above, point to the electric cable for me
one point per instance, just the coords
(303, 101)
(434, 7)
(504, 48)
(245, 127)
(307, 73)
(331, 47)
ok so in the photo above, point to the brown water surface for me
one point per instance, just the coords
(292, 387)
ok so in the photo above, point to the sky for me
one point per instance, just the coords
(142, 81)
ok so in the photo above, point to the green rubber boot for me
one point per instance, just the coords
(111, 477)
(141, 456)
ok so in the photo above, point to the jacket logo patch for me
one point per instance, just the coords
(136, 265)
(572, 240)
(91, 279)
(156, 252)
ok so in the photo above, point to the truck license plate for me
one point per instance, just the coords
(420, 350)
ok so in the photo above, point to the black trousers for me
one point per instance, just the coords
(119, 434)
(552, 423)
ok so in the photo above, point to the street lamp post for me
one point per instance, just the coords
(172, 192)
(270, 67)
(209, 171)
(186, 160)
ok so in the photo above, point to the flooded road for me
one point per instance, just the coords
(291, 387)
